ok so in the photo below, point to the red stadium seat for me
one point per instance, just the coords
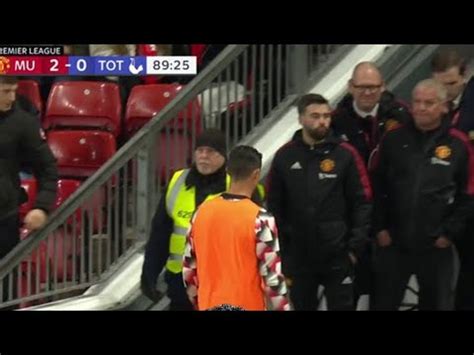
(62, 247)
(173, 153)
(30, 90)
(45, 252)
(198, 50)
(145, 101)
(80, 104)
(66, 187)
(81, 153)
(35, 267)
(37, 259)
(58, 251)
(63, 244)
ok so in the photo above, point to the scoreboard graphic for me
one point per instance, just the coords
(100, 66)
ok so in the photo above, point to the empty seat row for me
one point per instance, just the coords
(97, 105)
(61, 252)
(66, 187)
(79, 154)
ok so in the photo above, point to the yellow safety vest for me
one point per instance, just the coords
(180, 204)
(261, 191)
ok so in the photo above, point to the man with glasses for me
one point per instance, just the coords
(424, 187)
(367, 111)
(361, 118)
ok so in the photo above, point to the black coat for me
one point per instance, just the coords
(424, 185)
(365, 134)
(22, 142)
(464, 114)
(321, 199)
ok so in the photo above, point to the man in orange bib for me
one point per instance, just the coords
(232, 252)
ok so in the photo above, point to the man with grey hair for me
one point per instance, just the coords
(424, 188)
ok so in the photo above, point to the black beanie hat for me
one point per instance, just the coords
(213, 138)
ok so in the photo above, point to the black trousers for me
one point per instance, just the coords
(177, 293)
(436, 271)
(364, 278)
(9, 238)
(465, 286)
(337, 279)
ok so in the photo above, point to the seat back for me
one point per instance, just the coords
(174, 152)
(81, 104)
(145, 101)
(80, 154)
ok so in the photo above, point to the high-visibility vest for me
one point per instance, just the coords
(181, 204)
(261, 191)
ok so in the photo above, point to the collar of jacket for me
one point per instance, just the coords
(437, 132)
(4, 114)
(385, 104)
(195, 178)
(467, 91)
(331, 140)
(229, 196)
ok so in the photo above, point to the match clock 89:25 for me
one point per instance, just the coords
(169, 65)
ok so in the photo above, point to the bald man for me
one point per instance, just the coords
(368, 110)
(361, 119)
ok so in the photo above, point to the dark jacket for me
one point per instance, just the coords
(364, 134)
(21, 142)
(463, 115)
(424, 185)
(321, 199)
(26, 105)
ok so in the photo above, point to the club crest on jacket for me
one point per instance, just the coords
(327, 165)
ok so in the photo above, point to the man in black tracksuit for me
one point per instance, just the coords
(320, 195)
(21, 144)
(361, 118)
(424, 187)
